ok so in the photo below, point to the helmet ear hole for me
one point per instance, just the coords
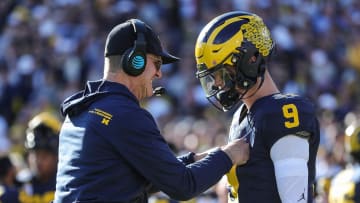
(254, 58)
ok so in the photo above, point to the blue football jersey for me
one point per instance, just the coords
(37, 191)
(9, 194)
(269, 119)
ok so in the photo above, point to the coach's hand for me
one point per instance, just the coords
(238, 151)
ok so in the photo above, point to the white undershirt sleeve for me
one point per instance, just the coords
(290, 155)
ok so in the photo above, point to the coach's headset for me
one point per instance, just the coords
(134, 58)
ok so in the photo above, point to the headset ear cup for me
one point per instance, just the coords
(133, 62)
(134, 59)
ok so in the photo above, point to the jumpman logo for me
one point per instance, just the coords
(302, 197)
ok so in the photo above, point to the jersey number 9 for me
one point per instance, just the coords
(290, 112)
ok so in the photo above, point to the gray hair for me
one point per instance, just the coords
(113, 63)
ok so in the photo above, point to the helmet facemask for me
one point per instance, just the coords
(219, 85)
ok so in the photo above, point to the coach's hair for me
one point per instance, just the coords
(113, 63)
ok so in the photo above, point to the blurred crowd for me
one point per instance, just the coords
(50, 48)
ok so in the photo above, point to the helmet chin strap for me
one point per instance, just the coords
(228, 98)
(260, 85)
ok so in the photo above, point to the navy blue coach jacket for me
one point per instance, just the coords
(111, 150)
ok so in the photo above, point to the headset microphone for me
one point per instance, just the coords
(158, 91)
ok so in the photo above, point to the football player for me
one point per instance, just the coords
(232, 54)
(41, 142)
(345, 186)
(8, 187)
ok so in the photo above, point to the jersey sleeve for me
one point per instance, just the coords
(288, 117)
(292, 184)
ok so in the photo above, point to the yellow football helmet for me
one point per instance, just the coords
(232, 49)
(352, 140)
(43, 132)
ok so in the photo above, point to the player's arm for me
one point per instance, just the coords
(290, 155)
